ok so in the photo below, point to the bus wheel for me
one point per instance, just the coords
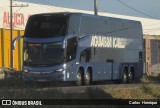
(124, 78)
(130, 77)
(87, 78)
(79, 81)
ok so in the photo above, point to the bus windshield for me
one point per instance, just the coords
(44, 26)
(46, 54)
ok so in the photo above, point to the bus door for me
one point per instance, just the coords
(110, 62)
(116, 71)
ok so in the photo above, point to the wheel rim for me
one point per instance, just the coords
(87, 78)
(79, 79)
(124, 78)
(130, 77)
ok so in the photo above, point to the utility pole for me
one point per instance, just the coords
(11, 35)
(158, 58)
(11, 30)
(95, 7)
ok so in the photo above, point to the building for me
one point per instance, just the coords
(152, 51)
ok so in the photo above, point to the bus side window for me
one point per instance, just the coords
(71, 49)
(85, 55)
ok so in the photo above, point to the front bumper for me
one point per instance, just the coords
(43, 76)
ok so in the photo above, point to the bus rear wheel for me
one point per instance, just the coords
(87, 78)
(124, 78)
(79, 81)
(130, 77)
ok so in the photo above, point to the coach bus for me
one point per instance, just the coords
(82, 48)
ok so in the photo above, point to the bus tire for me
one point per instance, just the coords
(87, 78)
(129, 77)
(79, 81)
(124, 78)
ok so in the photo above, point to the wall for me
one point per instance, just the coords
(5, 49)
(152, 51)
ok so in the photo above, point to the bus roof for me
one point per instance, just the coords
(91, 15)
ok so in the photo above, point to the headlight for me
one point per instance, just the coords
(59, 70)
(25, 70)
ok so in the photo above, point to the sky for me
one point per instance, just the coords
(139, 8)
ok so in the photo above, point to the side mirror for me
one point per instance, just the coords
(14, 41)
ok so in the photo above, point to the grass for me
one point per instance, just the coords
(142, 92)
(147, 79)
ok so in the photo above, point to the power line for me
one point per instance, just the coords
(18, 10)
(47, 7)
(50, 3)
(31, 7)
(38, 2)
(137, 10)
(41, 5)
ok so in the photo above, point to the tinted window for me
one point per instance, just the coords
(71, 48)
(42, 26)
(43, 54)
(85, 55)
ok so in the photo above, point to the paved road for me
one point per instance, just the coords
(62, 91)
(68, 88)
